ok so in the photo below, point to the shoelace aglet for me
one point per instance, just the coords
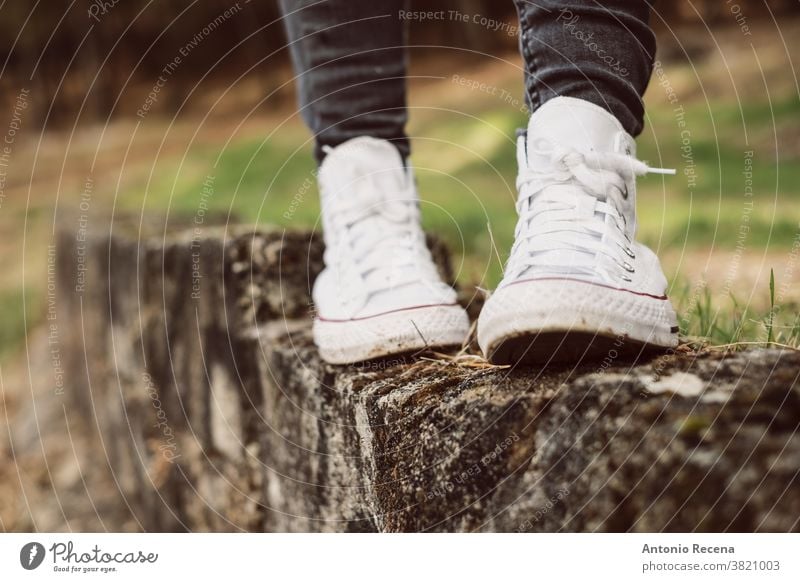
(664, 171)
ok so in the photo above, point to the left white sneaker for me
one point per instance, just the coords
(577, 284)
(380, 292)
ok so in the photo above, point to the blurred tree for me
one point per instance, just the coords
(86, 55)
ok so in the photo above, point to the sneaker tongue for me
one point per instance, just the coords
(574, 123)
(364, 172)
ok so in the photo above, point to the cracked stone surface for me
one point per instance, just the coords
(210, 407)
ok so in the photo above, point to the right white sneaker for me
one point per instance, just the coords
(380, 292)
(577, 284)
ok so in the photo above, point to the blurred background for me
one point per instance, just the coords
(164, 109)
(100, 120)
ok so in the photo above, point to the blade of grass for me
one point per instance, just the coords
(771, 316)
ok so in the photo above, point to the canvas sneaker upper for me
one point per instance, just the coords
(577, 201)
(376, 257)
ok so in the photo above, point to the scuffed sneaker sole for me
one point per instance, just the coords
(562, 320)
(396, 332)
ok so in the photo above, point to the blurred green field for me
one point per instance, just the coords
(702, 222)
(464, 157)
(465, 167)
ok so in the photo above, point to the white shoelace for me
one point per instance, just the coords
(551, 224)
(383, 240)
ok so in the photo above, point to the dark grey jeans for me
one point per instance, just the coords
(350, 60)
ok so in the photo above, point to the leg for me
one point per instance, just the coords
(600, 51)
(380, 292)
(350, 63)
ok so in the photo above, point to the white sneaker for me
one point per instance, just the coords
(577, 284)
(380, 292)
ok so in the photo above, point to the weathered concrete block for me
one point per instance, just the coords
(216, 413)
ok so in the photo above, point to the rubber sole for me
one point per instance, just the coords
(566, 321)
(397, 332)
(567, 347)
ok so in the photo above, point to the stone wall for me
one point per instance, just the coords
(191, 361)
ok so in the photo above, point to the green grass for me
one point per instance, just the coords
(705, 320)
(17, 306)
(466, 169)
(711, 211)
(465, 162)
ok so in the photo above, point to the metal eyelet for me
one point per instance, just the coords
(628, 267)
(625, 278)
(627, 251)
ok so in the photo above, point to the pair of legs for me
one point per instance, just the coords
(350, 60)
(576, 282)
